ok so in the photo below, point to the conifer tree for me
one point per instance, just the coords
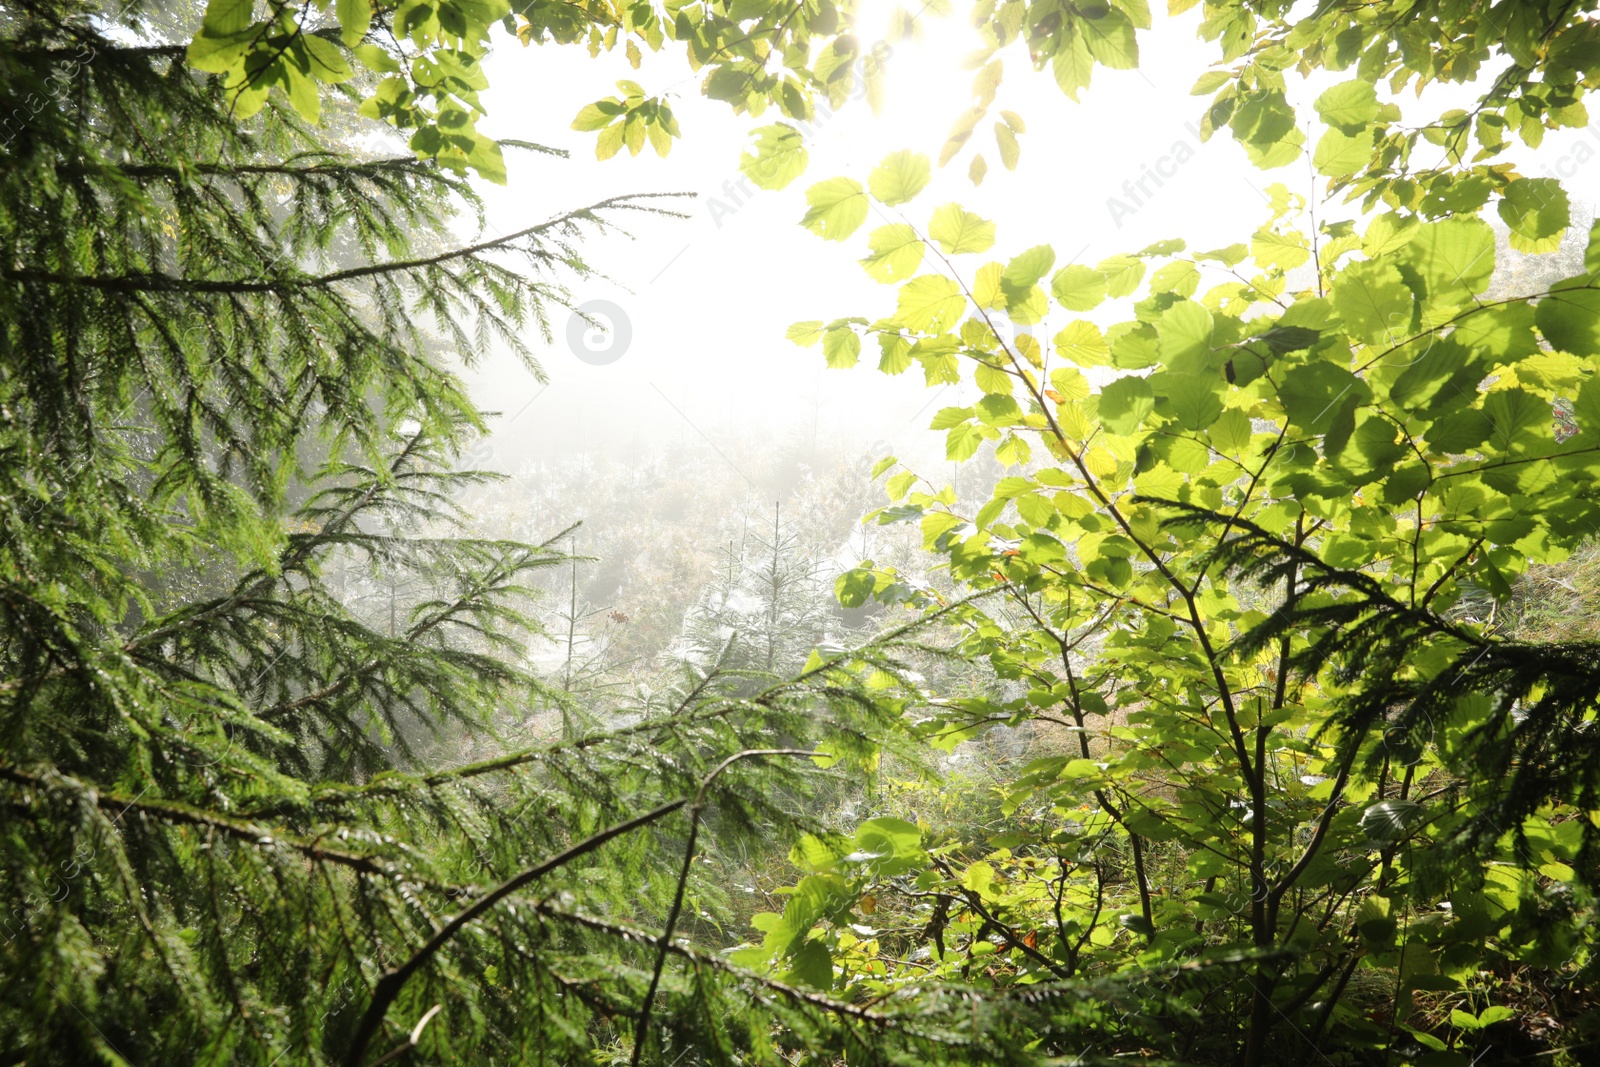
(226, 403)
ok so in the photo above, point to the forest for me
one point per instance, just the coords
(1211, 675)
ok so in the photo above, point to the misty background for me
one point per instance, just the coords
(674, 435)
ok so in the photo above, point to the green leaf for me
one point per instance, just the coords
(1122, 273)
(900, 177)
(1284, 251)
(1079, 288)
(1387, 233)
(841, 348)
(1373, 447)
(997, 409)
(1374, 921)
(1315, 394)
(1389, 822)
(1283, 339)
(301, 91)
(779, 156)
(1339, 154)
(838, 208)
(889, 846)
(1495, 1013)
(805, 334)
(931, 303)
(1374, 302)
(223, 18)
(487, 159)
(1350, 105)
(1111, 39)
(327, 61)
(1073, 66)
(1083, 344)
(1196, 399)
(1231, 431)
(957, 230)
(962, 442)
(1005, 139)
(609, 143)
(1537, 211)
(854, 586)
(1025, 270)
(811, 965)
(1454, 257)
(1459, 432)
(895, 354)
(979, 878)
(1569, 317)
(1124, 404)
(376, 59)
(219, 53)
(897, 252)
(1184, 337)
(355, 17)
(1445, 376)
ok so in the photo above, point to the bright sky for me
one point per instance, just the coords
(708, 300)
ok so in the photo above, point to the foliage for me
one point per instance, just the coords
(417, 64)
(244, 631)
(1295, 786)
(1230, 538)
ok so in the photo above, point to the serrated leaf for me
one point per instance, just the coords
(327, 61)
(897, 252)
(778, 158)
(1123, 274)
(1195, 399)
(1350, 105)
(1112, 40)
(930, 304)
(1184, 336)
(1455, 258)
(1124, 404)
(805, 334)
(1025, 270)
(224, 18)
(957, 230)
(900, 177)
(1537, 211)
(841, 348)
(355, 17)
(1569, 317)
(1283, 339)
(1374, 302)
(597, 115)
(1079, 288)
(1339, 154)
(1230, 433)
(1083, 344)
(1073, 66)
(853, 587)
(1315, 394)
(838, 207)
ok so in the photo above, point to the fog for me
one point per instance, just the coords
(699, 360)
